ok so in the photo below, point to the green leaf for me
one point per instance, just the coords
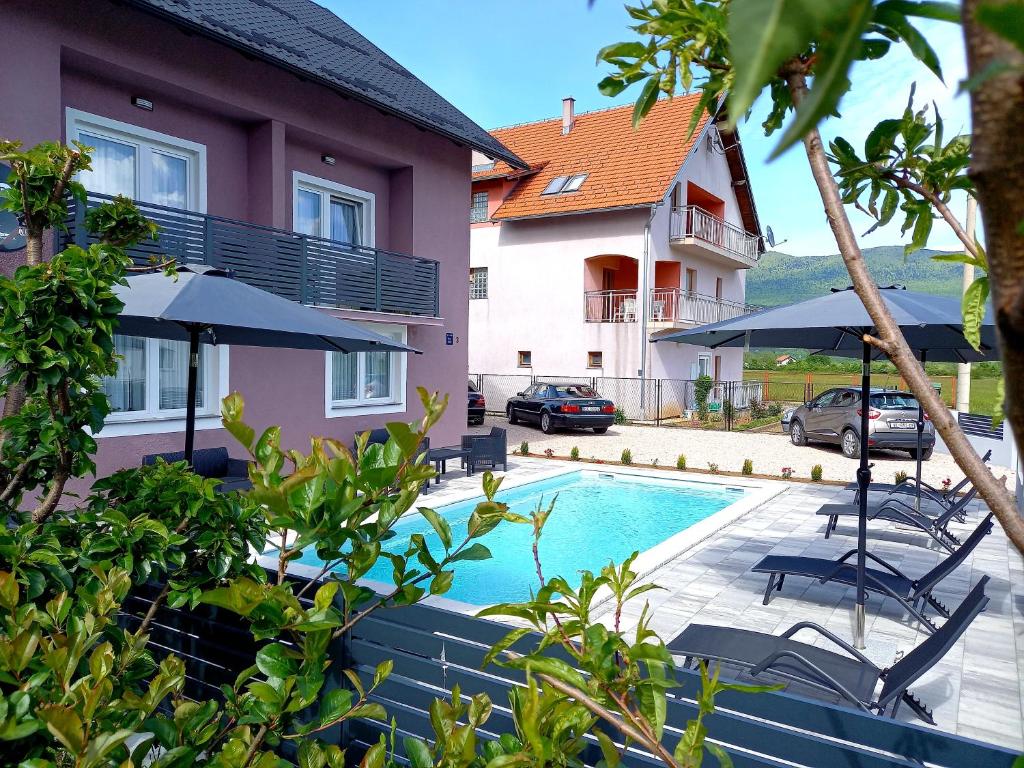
(375, 756)
(325, 595)
(418, 753)
(922, 229)
(66, 726)
(276, 660)
(440, 525)
(442, 582)
(830, 75)
(504, 644)
(720, 754)
(974, 310)
(609, 752)
(648, 97)
(475, 551)
(765, 33)
(892, 15)
(961, 258)
(335, 703)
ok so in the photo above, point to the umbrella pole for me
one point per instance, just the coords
(920, 436)
(193, 386)
(863, 481)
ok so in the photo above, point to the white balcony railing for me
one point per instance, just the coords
(691, 221)
(667, 305)
(679, 306)
(611, 306)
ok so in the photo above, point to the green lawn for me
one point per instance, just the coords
(785, 385)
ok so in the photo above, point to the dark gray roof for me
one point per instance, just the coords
(301, 36)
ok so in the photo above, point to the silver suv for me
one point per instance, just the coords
(834, 417)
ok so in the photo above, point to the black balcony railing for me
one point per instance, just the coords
(309, 270)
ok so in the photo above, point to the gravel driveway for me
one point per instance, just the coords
(769, 452)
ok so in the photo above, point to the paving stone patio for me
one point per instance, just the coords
(976, 690)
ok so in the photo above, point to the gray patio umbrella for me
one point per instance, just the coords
(206, 305)
(836, 324)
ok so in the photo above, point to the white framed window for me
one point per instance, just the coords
(327, 209)
(478, 282)
(595, 359)
(367, 382)
(478, 207)
(525, 358)
(148, 394)
(142, 164)
(703, 365)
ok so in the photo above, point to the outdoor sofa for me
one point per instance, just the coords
(912, 594)
(849, 675)
(211, 463)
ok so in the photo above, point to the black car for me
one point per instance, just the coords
(553, 404)
(476, 405)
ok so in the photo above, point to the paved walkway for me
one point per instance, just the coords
(975, 691)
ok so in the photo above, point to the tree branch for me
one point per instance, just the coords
(999, 500)
(943, 210)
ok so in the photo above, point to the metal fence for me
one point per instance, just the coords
(434, 650)
(657, 401)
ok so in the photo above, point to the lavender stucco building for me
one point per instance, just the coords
(272, 138)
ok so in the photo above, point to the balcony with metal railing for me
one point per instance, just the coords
(674, 305)
(701, 233)
(302, 268)
(668, 305)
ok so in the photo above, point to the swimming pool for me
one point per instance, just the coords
(598, 517)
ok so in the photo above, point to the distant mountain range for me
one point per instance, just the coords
(780, 278)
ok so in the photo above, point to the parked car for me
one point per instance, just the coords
(834, 417)
(477, 404)
(553, 404)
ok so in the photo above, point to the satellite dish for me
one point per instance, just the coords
(769, 236)
(12, 234)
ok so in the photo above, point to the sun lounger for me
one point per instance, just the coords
(896, 511)
(913, 594)
(849, 676)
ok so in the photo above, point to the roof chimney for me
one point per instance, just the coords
(568, 114)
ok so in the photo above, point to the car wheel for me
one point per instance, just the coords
(796, 433)
(512, 418)
(600, 430)
(545, 423)
(925, 454)
(851, 445)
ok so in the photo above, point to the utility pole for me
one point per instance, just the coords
(963, 370)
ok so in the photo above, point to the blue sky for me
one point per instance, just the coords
(505, 62)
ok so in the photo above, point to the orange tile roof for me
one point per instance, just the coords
(626, 167)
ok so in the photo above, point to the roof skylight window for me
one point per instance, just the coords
(563, 184)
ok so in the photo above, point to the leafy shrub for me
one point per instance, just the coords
(901, 477)
(574, 454)
(620, 415)
(712, 468)
(524, 448)
(816, 473)
(627, 456)
(748, 467)
(654, 462)
(549, 452)
(787, 472)
(681, 461)
(701, 390)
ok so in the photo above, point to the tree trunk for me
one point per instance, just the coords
(997, 169)
(892, 342)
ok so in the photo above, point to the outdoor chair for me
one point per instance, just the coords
(928, 492)
(210, 463)
(627, 311)
(850, 677)
(490, 450)
(894, 510)
(913, 594)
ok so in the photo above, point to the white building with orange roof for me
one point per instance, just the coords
(610, 237)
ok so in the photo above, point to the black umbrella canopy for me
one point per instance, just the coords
(227, 311)
(835, 323)
(205, 305)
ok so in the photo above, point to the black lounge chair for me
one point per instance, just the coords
(851, 678)
(908, 487)
(896, 511)
(913, 594)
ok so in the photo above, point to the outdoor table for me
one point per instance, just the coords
(440, 457)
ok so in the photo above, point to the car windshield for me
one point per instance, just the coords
(574, 390)
(894, 401)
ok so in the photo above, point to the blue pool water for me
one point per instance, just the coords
(597, 519)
